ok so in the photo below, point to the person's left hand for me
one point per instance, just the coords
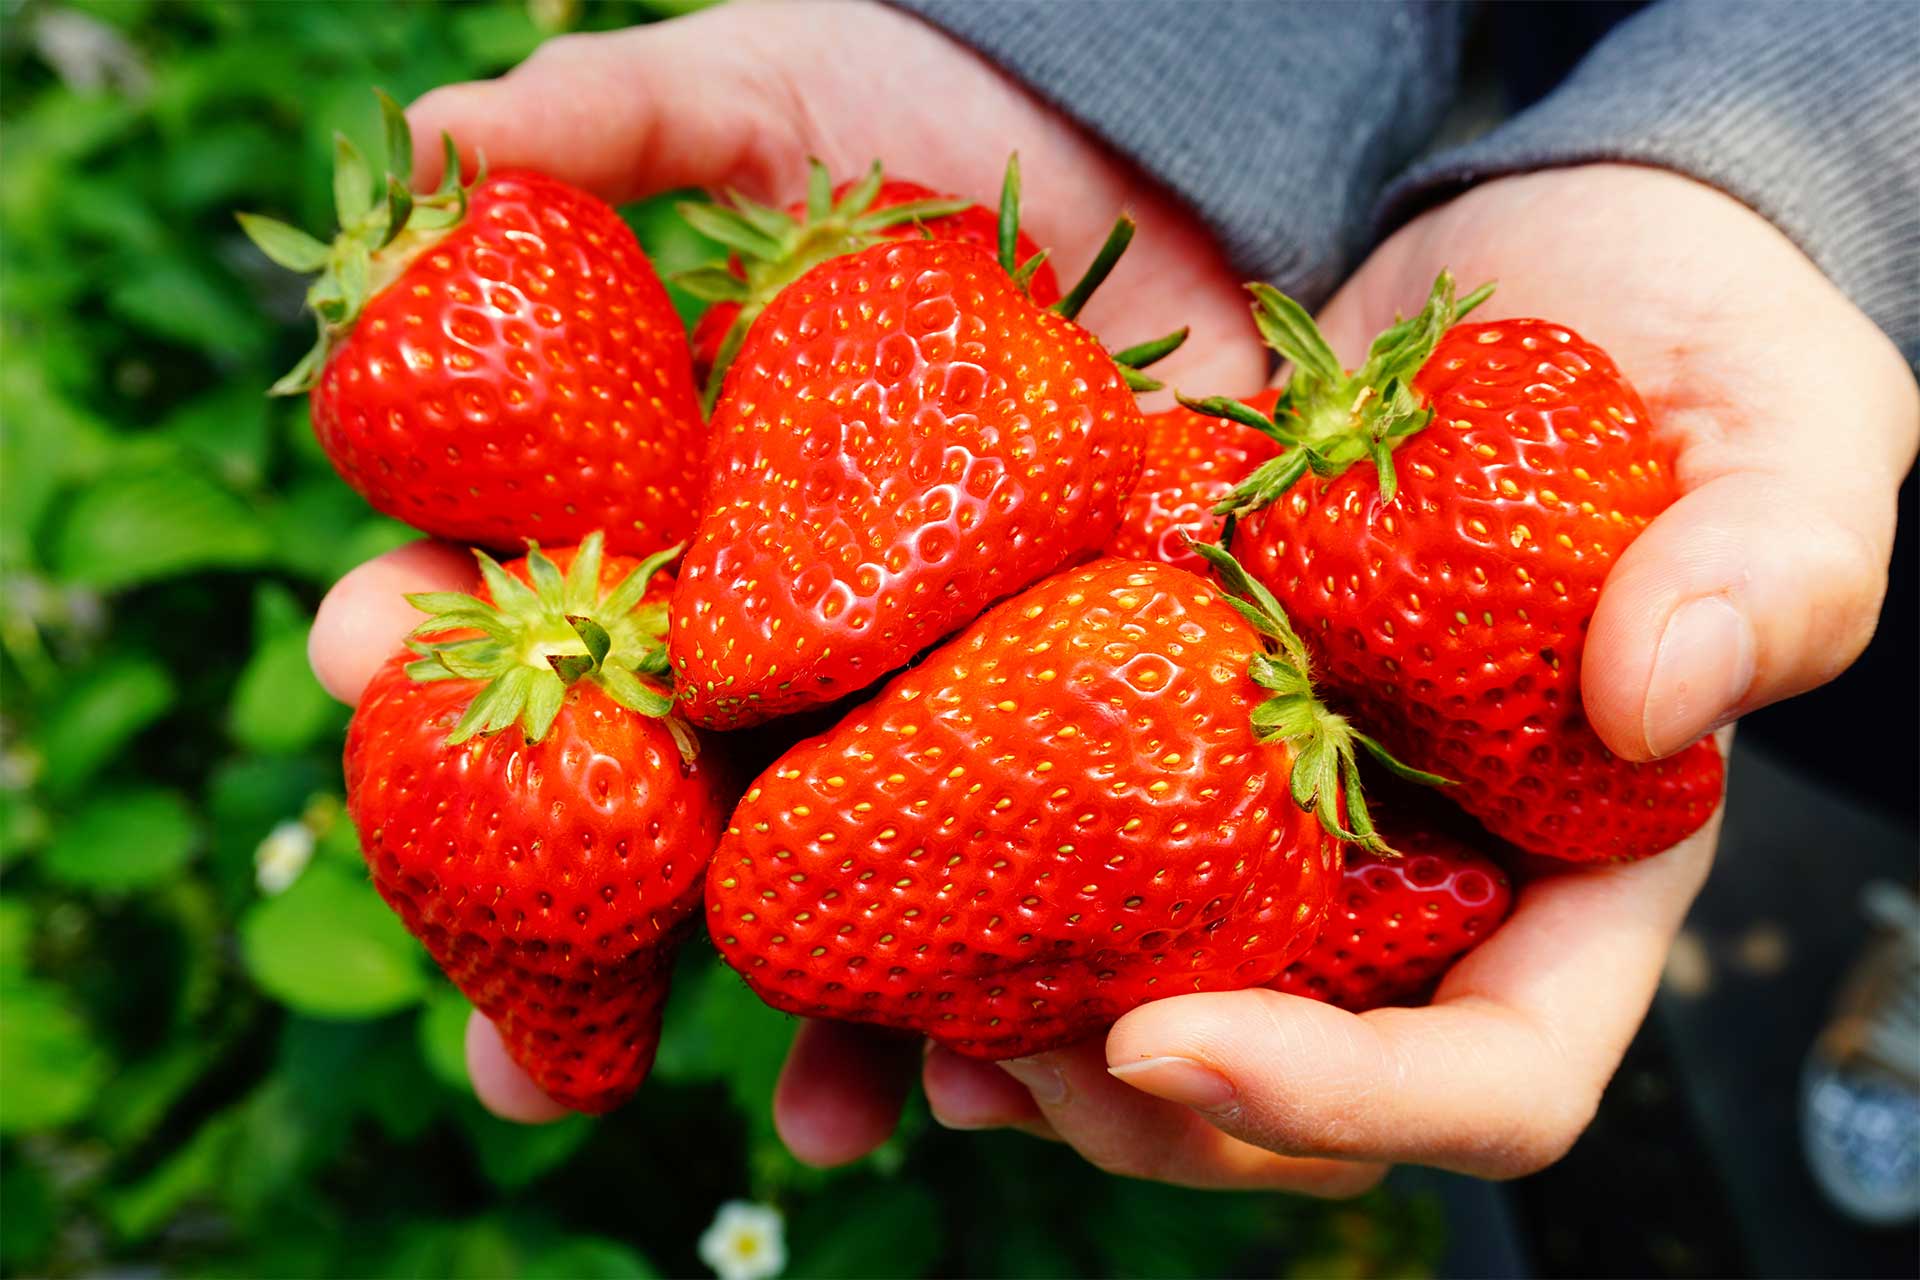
(1796, 420)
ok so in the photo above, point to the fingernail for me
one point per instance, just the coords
(1180, 1080)
(1702, 669)
(1042, 1079)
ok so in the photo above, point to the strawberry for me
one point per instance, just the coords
(1397, 924)
(1191, 461)
(1440, 524)
(529, 806)
(970, 224)
(1115, 786)
(496, 362)
(903, 438)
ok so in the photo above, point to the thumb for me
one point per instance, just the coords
(1760, 583)
(624, 114)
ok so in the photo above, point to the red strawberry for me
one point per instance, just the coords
(904, 438)
(1192, 461)
(973, 224)
(1471, 487)
(530, 808)
(497, 362)
(1397, 924)
(1111, 788)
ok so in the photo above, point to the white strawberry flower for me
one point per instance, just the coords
(746, 1242)
(282, 856)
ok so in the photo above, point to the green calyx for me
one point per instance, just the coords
(775, 248)
(1329, 419)
(537, 642)
(1326, 769)
(383, 228)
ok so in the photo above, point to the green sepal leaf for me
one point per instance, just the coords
(862, 194)
(285, 245)
(775, 224)
(912, 211)
(1233, 410)
(594, 636)
(393, 121)
(712, 284)
(717, 222)
(1024, 275)
(1099, 269)
(819, 190)
(1143, 354)
(1138, 382)
(399, 209)
(1009, 225)
(1405, 772)
(352, 182)
(1290, 331)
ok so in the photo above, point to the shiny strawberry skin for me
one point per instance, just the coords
(1059, 815)
(550, 881)
(977, 225)
(524, 376)
(1192, 460)
(903, 439)
(1454, 617)
(1397, 924)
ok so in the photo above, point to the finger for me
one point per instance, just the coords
(1764, 580)
(841, 1091)
(502, 1087)
(965, 1093)
(1123, 1131)
(1496, 1079)
(363, 619)
(626, 114)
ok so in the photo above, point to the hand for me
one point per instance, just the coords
(1796, 420)
(740, 97)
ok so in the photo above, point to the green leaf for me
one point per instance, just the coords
(352, 182)
(151, 522)
(442, 1034)
(278, 707)
(587, 1258)
(53, 1065)
(97, 715)
(123, 840)
(329, 947)
(16, 935)
(886, 1230)
(514, 1155)
(189, 301)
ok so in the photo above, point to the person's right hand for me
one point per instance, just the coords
(741, 97)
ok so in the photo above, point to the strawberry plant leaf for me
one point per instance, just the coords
(330, 948)
(121, 840)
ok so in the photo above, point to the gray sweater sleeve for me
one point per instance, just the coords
(1279, 124)
(1805, 110)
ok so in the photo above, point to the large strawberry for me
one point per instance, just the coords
(1114, 787)
(903, 438)
(828, 223)
(530, 807)
(1439, 525)
(496, 362)
(1397, 923)
(1191, 461)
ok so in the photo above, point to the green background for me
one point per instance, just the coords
(201, 1077)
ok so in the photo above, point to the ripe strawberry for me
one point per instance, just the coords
(1079, 804)
(529, 806)
(1397, 924)
(1471, 487)
(496, 362)
(904, 438)
(1192, 460)
(970, 224)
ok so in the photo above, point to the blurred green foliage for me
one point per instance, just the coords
(219, 1054)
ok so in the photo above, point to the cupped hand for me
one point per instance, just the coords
(1795, 421)
(741, 97)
